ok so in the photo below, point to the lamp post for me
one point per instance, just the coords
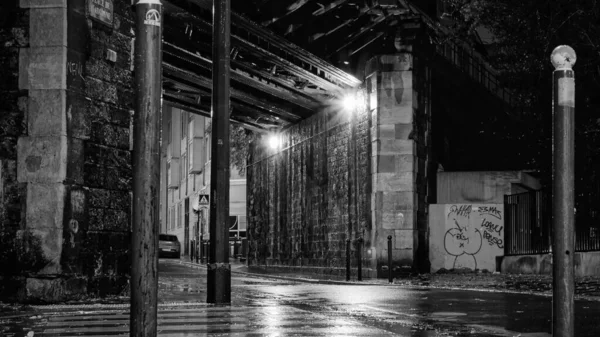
(563, 200)
(146, 169)
(219, 269)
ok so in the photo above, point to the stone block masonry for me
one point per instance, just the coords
(302, 196)
(398, 86)
(65, 164)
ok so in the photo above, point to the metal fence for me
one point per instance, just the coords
(528, 225)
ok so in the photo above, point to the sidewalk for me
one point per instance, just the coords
(585, 288)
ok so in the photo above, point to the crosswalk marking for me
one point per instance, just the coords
(201, 320)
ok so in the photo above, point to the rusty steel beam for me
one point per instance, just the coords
(290, 9)
(269, 46)
(183, 77)
(238, 75)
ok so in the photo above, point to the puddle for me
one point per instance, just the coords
(447, 314)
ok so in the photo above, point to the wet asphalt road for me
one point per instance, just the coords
(262, 306)
(391, 309)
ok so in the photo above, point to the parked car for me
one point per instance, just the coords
(168, 246)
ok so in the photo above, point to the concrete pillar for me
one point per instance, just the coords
(43, 152)
(73, 160)
(398, 142)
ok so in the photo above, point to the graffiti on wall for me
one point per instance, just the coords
(474, 236)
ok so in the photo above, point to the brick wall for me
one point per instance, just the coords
(66, 157)
(301, 197)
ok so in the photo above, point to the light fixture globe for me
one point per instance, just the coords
(563, 57)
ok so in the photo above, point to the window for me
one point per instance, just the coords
(167, 237)
(181, 219)
(168, 133)
(184, 124)
(237, 226)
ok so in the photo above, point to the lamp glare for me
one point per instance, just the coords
(273, 142)
(349, 102)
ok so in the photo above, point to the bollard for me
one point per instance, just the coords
(193, 245)
(347, 259)
(359, 259)
(390, 277)
(563, 199)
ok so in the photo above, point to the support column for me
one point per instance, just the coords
(42, 154)
(398, 139)
(219, 269)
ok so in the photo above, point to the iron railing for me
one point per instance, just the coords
(528, 225)
(527, 228)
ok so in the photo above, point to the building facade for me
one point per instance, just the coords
(185, 180)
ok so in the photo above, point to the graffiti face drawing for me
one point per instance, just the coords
(463, 242)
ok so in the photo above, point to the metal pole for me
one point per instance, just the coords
(347, 259)
(219, 269)
(197, 235)
(359, 259)
(563, 58)
(146, 169)
(390, 276)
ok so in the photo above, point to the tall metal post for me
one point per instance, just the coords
(390, 275)
(347, 259)
(563, 58)
(219, 269)
(359, 259)
(146, 169)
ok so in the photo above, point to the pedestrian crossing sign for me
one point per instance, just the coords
(203, 199)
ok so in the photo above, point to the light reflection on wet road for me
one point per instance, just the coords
(395, 309)
(275, 307)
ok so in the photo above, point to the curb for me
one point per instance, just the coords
(287, 278)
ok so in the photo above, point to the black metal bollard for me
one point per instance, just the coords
(359, 259)
(192, 250)
(390, 277)
(347, 259)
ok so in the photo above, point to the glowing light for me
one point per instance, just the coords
(273, 141)
(349, 102)
(346, 62)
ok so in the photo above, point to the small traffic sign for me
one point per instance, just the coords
(203, 199)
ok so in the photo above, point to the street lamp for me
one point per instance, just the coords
(274, 141)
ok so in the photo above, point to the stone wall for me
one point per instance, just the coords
(14, 34)
(309, 196)
(399, 87)
(72, 156)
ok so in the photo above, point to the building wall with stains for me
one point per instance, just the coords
(312, 193)
(300, 201)
(69, 150)
(467, 236)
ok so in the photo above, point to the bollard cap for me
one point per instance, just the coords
(389, 237)
(563, 57)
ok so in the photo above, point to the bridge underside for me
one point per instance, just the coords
(65, 160)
